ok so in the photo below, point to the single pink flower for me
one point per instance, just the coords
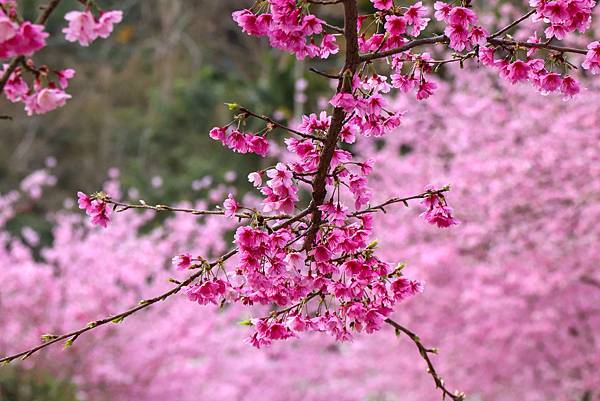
(230, 206)
(81, 28)
(104, 27)
(183, 261)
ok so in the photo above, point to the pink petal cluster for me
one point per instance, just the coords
(592, 58)
(85, 28)
(95, 208)
(20, 39)
(411, 22)
(417, 80)
(270, 274)
(241, 142)
(461, 26)
(288, 29)
(532, 70)
(39, 99)
(437, 211)
(563, 16)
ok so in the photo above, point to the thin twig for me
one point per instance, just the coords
(381, 206)
(405, 47)
(490, 40)
(121, 207)
(424, 352)
(325, 2)
(324, 74)
(512, 25)
(70, 337)
(279, 125)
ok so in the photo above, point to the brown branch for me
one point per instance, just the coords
(325, 2)
(381, 206)
(72, 336)
(590, 281)
(403, 48)
(547, 46)
(490, 40)
(512, 25)
(337, 120)
(20, 59)
(424, 352)
(269, 120)
(324, 74)
(121, 207)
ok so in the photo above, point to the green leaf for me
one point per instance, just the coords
(48, 337)
(118, 320)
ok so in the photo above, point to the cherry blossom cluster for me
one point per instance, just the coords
(438, 212)
(461, 26)
(241, 142)
(515, 61)
(319, 292)
(84, 27)
(563, 16)
(95, 207)
(411, 22)
(532, 70)
(22, 39)
(18, 38)
(288, 28)
(592, 58)
(367, 105)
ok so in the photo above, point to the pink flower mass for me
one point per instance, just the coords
(341, 236)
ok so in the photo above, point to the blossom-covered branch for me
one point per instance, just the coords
(320, 270)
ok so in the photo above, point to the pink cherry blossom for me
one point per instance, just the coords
(45, 100)
(183, 261)
(230, 206)
(81, 28)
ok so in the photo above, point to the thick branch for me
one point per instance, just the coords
(424, 352)
(337, 120)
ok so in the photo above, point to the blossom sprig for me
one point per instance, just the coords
(103, 201)
(22, 39)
